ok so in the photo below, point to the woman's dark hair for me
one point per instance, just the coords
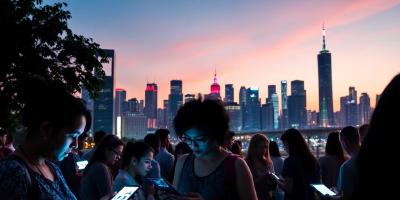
(208, 116)
(333, 146)
(274, 149)
(236, 149)
(298, 147)
(49, 102)
(380, 144)
(108, 143)
(137, 150)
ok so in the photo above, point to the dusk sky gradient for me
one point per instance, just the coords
(250, 43)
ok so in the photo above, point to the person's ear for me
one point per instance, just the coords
(45, 130)
(134, 161)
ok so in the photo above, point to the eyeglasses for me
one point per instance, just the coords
(190, 141)
(116, 153)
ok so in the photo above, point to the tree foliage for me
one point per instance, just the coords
(36, 41)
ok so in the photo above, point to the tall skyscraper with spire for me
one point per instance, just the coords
(325, 85)
(214, 89)
(150, 109)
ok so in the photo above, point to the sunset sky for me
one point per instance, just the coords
(250, 43)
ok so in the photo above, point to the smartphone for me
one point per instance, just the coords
(162, 185)
(82, 164)
(321, 188)
(275, 176)
(125, 193)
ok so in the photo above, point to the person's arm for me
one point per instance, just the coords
(244, 177)
(287, 172)
(102, 178)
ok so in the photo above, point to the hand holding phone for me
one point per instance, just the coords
(321, 188)
(82, 164)
(125, 193)
(162, 185)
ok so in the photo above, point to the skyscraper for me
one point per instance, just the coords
(365, 107)
(271, 90)
(284, 118)
(229, 93)
(103, 107)
(189, 97)
(267, 116)
(235, 116)
(175, 100)
(242, 103)
(351, 108)
(120, 99)
(252, 116)
(150, 108)
(133, 105)
(297, 105)
(275, 105)
(215, 90)
(343, 111)
(325, 85)
(134, 125)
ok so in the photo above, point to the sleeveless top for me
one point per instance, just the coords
(218, 185)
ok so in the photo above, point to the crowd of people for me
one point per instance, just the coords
(207, 164)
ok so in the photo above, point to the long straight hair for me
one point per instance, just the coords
(298, 147)
(252, 155)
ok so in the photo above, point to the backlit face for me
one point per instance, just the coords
(114, 155)
(143, 166)
(197, 141)
(262, 148)
(62, 141)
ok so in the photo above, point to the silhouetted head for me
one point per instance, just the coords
(181, 149)
(333, 146)
(228, 140)
(381, 144)
(3, 137)
(163, 135)
(295, 145)
(98, 136)
(350, 139)
(154, 141)
(202, 125)
(274, 149)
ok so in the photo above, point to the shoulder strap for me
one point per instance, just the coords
(230, 177)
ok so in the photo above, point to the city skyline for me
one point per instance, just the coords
(247, 44)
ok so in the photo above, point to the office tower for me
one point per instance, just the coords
(103, 106)
(325, 85)
(284, 117)
(242, 103)
(134, 125)
(141, 106)
(175, 100)
(297, 105)
(133, 105)
(343, 111)
(189, 97)
(120, 98)
(364, 108)
(214, 90)
(351, 108)
(252, 116)
(267, 116)
(229, 93)
(235, 116)
(150, 109)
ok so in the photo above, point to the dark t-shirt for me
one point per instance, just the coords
(293, 167)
